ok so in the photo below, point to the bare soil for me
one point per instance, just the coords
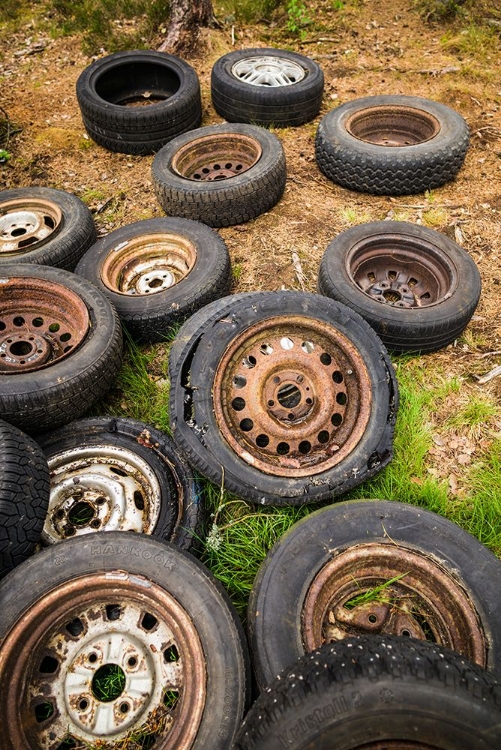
(373, 48)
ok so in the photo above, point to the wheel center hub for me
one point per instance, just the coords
(289, 396)
(22, 351)
(393, 293)
(153, 281)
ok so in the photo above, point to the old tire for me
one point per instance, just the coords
(207, 388)
(24, 496)
(165, 83)
(157, 272)
(391, 145)
(60, 346)
(138, 605)
(44, 226)
(221, 174)
(377, 692)
(417, 288)
(113, 473)
(326, 560)
(267, 86)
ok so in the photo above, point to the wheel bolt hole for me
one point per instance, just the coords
(124, 708)
(271, 403)
(406, 633)
(83, 705)
(132, 661)
(372, 619)
(93, 657)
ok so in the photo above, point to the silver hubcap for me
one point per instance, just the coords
(22, 230)
(268, 71)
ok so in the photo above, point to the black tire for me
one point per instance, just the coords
(281, 98)
(106, 87)
(195, 396)
(44, 226)
(24, 496)
(373, 692)
(391, 145)
(167, 504)
(224, 195)
(311, 571)
(157, 272)
(60, 386)
(414, 286)
(140, 595)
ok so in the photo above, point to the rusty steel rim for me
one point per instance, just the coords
(402, 271)
(54, 655)
(397, 745)
(26, 224)
(217, 157)
(419, 599)
(292, 396)
(393, 126)
(41, 322)
(100, 488)
(148, 264)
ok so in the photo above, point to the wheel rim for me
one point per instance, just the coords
(393, 126)
(27, 224)
(65, 656)
(292, 396)
(41, 322)
(217, 157)
(268, 71)
(419, 599)
(100, 488)
(401, 271)
(149, 264)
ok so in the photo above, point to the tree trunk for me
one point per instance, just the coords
(186, 18)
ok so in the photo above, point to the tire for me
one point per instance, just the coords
(414, 286)
(377, 692)
(44, 226)
(203, 381)
(130, 603)
(391, 145)
(24, 496)
(49, 378)
(334, 556)
(157, 272)
(119, 474)
(106, 86)
(267, 87)
(219, 196)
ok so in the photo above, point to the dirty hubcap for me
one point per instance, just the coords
(27, 224)
(268, 71)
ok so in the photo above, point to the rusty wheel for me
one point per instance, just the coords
(157, 272)
(374, 567)
(295, 396)
(391, 145)
(116, 647)
(221, 174)
(44, 226)
(415, 287)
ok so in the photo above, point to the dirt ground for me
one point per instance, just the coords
(370, 49)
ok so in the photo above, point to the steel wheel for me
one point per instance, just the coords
(99, 658)
(26, 224)
(41, 322)
(217, 157)
(292, 396)
(393, 126)
(148, 264)
(100, 488)
(374, 588)
(268, 71)
(402, 271)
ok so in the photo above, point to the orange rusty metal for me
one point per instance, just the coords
(393, 125)
(217, 157)
(27, 224)
(292, 396)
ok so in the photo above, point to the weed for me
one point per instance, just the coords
(376, 594)
(476, 41)
(476, 414)
(297, 18)
(435, 217)
(4, 156)
(353, 216)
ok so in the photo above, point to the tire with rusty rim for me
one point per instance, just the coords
(377, 693)
(220, 174)
(119, 474)
(374, 567)
(267, 86)
(157, 272)
(60, 346)
(115, 635)
(417, 288)
(134, 102)
(288, 400)
(24, 496)
(391, 145)
(44, 226)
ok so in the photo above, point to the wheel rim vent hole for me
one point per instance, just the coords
(139, 500)
(171, 654)
(171, 697)
(44, 711)
(113, 612)
(75, 627)
(48, 665)
(149, 621)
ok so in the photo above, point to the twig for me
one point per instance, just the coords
(489, 376)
